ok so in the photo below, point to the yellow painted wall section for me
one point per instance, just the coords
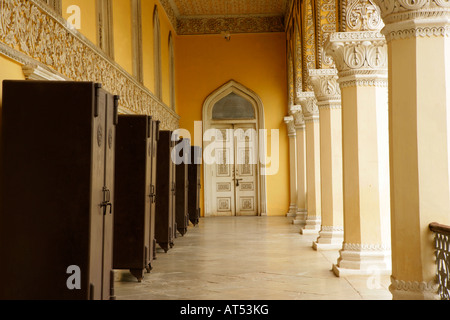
(166, 27)
(147, 8)
(9, 70)
(87, 16)
(123, 53)
(204, 63)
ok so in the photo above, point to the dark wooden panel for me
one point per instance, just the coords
(153, 190)
(132, 220)
(194, 185)
(182, 185)
(54, 138)
(165, 187)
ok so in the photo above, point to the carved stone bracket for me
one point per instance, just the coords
(360, 57)
(419, 18)
(326, 87)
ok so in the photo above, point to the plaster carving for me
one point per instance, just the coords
(326, 86)
(421, 18)
(414, 289)
(289, 121)
(236, 16)
(360, 57)
(363, 15)
(299, 118)
(32, 34)
(365, 247)
(239, 24)
(309, 105)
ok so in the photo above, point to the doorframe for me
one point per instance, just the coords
(239, 89)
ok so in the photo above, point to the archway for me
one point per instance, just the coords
(233, 185)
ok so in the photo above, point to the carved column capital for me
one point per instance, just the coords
(415, 18)
(290, 126)
(299, 118)
(326, 87)
(360, 57)
(308, 102)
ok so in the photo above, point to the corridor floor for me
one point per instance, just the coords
(247, 258)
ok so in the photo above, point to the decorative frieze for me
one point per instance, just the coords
(32, 34)
(414, 290)
(237, 24)
(363, 259)
(360, 57)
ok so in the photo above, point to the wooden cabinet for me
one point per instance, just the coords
(194, 176)
(57, 191)
(134, 195)
(182, 185)
(165, 194)
(153, 190)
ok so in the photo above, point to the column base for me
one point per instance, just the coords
(414, 290)
(312, 226)
(363, 260)
(330, 238)
(300, 218)
(292, 211)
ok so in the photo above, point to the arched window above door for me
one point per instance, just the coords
(233, 106)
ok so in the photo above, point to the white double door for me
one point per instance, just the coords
(234, 175)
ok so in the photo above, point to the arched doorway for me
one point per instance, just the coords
(233, 116)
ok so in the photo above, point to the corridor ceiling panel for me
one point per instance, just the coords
(190, 17)
(229, 7)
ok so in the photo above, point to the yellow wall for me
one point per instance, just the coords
(123, 52)
(88, 19)
(147, 47)
(204, 63)
(9, 70)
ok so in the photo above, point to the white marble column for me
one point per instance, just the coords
(361, 59)
(418, 37)
(299, 123)
(292, 167)
(328, 96)
(312, 137)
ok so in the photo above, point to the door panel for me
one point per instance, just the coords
(246, 170)
(223, 172)
(98, 176)
(234, 174)
(109, 143)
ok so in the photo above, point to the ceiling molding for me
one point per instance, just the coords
(197, 24)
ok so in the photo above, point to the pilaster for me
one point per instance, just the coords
(418, 37)
(310, 112)
(361, 60)
(328, 96)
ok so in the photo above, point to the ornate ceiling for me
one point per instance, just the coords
(216, 16)
(229, 7)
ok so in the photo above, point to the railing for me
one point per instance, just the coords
(442, 244)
